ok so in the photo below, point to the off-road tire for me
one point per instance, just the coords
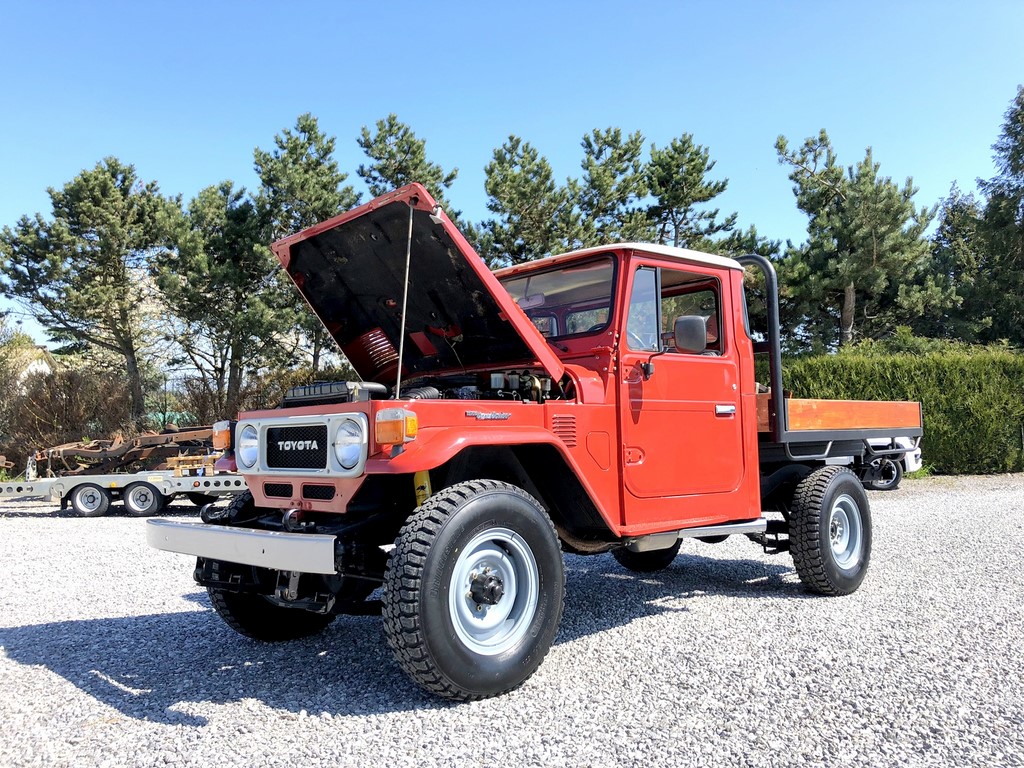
(646, 562)
(89, 500)
(461, 531)
(891, 483)
(143, 499)
(256, 617)
(828, 501)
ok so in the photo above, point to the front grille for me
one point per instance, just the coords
(298, 447)
(318, 492)
(278, 490)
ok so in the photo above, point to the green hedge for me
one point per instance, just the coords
(973, 399)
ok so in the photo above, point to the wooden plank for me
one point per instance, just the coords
(808, 414)
(852, 414)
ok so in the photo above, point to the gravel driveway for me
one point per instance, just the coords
(111, 655)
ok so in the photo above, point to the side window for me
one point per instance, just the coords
(546, 324)
(642, 330)
(687, 294)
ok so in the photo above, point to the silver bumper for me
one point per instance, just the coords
(305, 552)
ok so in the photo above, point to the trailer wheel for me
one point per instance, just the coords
(90, 500)
(889, 474)
(143, 499)
(647, 562)
(473, 590)
(830, 531)
(201, 499)
(256, 617)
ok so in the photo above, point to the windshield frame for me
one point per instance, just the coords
(561, 312)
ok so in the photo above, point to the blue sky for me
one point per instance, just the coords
(186, 90)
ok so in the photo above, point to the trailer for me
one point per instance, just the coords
(144, 472)
(143, 493)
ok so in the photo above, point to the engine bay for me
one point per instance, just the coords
(524, 385)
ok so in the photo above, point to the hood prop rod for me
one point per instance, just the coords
(405, 304)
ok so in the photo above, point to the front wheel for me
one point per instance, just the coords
(830, 531)
(473, 590)
(256, 617)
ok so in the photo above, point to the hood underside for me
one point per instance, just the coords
(351, 272)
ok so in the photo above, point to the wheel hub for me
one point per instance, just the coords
(846, 532)
(487, 588)
(494, 591)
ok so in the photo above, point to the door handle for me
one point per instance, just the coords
(725, 410)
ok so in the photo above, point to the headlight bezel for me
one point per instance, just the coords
(247, 442)
(350, 434)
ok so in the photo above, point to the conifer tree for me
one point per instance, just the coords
(83, 274)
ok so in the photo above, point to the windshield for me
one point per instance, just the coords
(572, 300)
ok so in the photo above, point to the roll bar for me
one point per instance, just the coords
(777, 418)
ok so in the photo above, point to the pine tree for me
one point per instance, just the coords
(398, 158)
(865, 256)
(301, 185)
(227, 303)
(1002, 228)
(531, 208)
(84, 274)
(610, 193)
(677, 178)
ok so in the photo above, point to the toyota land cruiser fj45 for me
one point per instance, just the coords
(597, 401)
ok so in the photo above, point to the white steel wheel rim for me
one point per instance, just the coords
(141, 499)
(492, 629)
(89, 499)
(846, 532)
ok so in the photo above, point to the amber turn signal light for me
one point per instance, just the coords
(395, 426)
(222, 436)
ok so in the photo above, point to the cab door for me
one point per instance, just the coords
(682, 438)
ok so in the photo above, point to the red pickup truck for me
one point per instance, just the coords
(598, 401)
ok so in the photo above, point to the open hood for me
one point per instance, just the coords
(351, 272)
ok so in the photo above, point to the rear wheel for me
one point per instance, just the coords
(256, 617)
(474, 589)
(201, 499)
(647, 562)
(90, 500)
(143, 499)
(830, 531)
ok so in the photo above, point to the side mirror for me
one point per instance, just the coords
(691, 334)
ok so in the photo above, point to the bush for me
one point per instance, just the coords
(971, 397)
(64, 406)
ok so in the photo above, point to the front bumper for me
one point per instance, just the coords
(304, 552)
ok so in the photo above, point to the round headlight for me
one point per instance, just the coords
(348, 444)
(248, 449)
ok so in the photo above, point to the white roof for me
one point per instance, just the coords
(684, 254)
(680, 254)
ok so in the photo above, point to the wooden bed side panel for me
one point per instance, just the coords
(843, 414)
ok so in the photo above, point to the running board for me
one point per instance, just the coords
(665, 540)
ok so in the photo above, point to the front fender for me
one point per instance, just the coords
(434, 446)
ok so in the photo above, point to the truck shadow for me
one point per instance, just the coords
(159, 666)
(14, 510)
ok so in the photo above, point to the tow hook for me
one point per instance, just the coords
(292, 521)
(290, 592)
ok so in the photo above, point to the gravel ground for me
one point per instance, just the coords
(111, 655)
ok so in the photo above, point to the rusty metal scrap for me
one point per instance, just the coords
(148, 451)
